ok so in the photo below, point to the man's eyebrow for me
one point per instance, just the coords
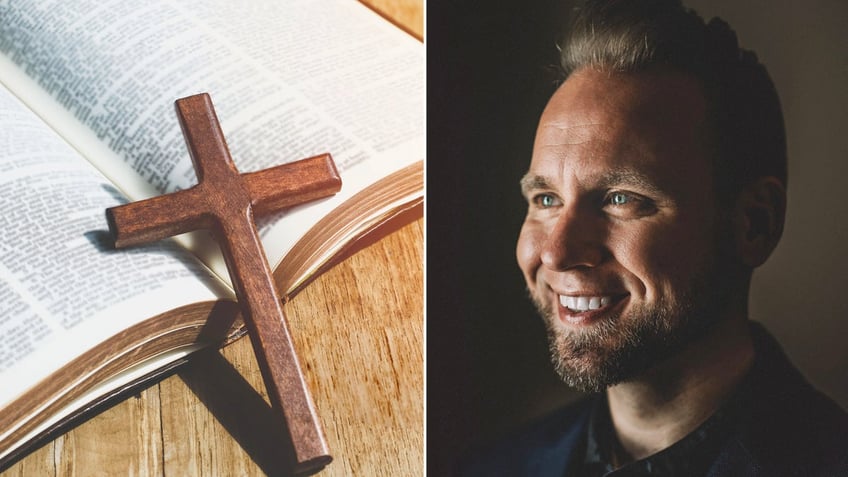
(628, 178)
(619, 177)
(531, 182)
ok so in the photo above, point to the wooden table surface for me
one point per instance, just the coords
(359, 332)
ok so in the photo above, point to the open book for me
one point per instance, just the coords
(87, 123)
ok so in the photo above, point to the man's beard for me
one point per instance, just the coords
(623, 346)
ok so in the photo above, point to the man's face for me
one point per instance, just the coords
(619, 246)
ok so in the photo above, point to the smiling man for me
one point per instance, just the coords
(657, 185)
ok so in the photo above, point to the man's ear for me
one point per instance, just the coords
(760, 215)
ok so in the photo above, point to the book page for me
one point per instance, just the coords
(62, 288)
(289, 79)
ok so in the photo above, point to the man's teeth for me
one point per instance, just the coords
(584, 303)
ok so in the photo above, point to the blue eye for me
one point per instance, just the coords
(619, 198)
(628, 205)
(545, 201)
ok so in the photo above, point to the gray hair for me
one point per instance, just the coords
(631, 35)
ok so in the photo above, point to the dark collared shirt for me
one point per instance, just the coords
(775, 424)
(690, 456)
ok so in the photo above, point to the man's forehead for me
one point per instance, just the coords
(590, 98)
(594, 154)
(616, 128)
(570, 129)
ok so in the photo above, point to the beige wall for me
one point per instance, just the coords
(801, 293)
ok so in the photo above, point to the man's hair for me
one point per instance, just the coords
(747, 131)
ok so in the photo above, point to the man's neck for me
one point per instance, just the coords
(669, 401)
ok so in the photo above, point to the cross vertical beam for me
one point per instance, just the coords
(225, 202)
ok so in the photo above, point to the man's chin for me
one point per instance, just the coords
(588, 371)
(615, 350)
(585, 382)
(593, 360)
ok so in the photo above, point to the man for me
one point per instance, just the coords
(657, 185)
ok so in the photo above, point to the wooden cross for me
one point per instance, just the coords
(226, 202)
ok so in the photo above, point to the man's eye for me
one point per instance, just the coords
(623, 204)
(620, 198)
(545, 201)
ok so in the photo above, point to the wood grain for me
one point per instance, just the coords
(362, 324)
(407, 14)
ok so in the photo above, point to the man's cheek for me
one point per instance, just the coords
(528, 251)
(669, 254)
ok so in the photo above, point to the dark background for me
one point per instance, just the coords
(489, 76)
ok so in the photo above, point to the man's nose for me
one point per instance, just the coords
(576, 240)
